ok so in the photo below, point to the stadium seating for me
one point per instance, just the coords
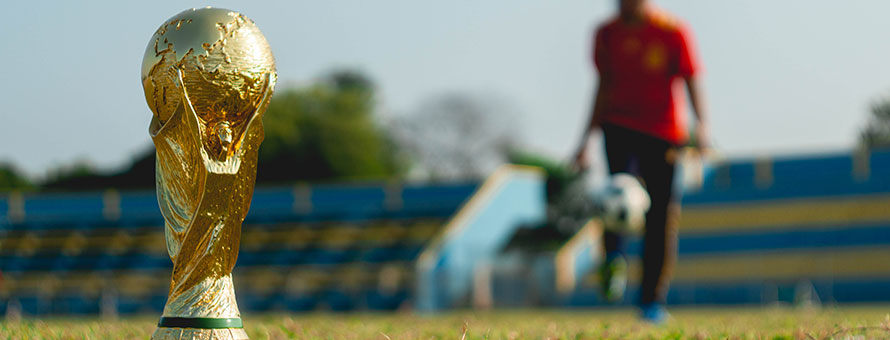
(757, 231)
(338, 248)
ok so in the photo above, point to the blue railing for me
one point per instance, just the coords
(280, 204)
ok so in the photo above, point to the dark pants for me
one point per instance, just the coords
(653, 161)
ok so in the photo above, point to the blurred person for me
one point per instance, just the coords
(644, 56)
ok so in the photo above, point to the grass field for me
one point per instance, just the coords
(867, 322)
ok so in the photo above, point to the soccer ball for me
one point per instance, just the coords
(623, 204)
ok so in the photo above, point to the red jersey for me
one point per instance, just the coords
(642, 67)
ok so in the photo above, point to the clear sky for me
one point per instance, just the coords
(781, 76)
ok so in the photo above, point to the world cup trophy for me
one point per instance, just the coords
(208, 76)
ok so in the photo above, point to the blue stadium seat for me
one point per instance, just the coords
(439, 201)
(157, 301)
(262, 302)
(87, 261)
(140, 261)
(105, 262)
(742, 174)
(42, 262)
(880, 162)
(382, 254)
(377, 300)
(301, 302)
(4, 209)
(874, 234)
(728, 294)
(278, 257)
(139, 209)
(12, 263)
(339, 300)
(410, 252)
(132, 305)
(271, 205)
(74, 303)
(858, 291)
(51, 210)
(582, 297)
(63, 263)
(320, 256)
(33, 304)
(349, 203)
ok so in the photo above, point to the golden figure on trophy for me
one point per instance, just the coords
(208, 76)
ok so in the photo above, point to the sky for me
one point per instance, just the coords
(781, 77)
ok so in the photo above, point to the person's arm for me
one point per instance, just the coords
(689, 68)
(697, 100)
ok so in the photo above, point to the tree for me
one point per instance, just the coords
(83, 176)
(877, 133)
(12, 179)
(326, 131)
(457, 136)
(80, 175)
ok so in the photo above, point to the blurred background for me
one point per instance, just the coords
(381, 180)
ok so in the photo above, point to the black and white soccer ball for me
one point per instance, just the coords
(623, 204)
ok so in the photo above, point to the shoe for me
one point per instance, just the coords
(654, 313)
(613, 278)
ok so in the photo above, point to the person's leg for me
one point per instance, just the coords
(613, 270)
(660, 237)
(619, 157)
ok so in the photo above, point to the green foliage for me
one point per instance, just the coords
(83, 176)
(79, 169)
(11, 179)
(80, 175)
(326, 131)
(877, 133)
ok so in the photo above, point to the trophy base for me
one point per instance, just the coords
(171, 333)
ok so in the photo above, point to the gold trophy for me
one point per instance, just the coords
(208, 76)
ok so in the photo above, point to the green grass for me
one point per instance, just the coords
(871, 322)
